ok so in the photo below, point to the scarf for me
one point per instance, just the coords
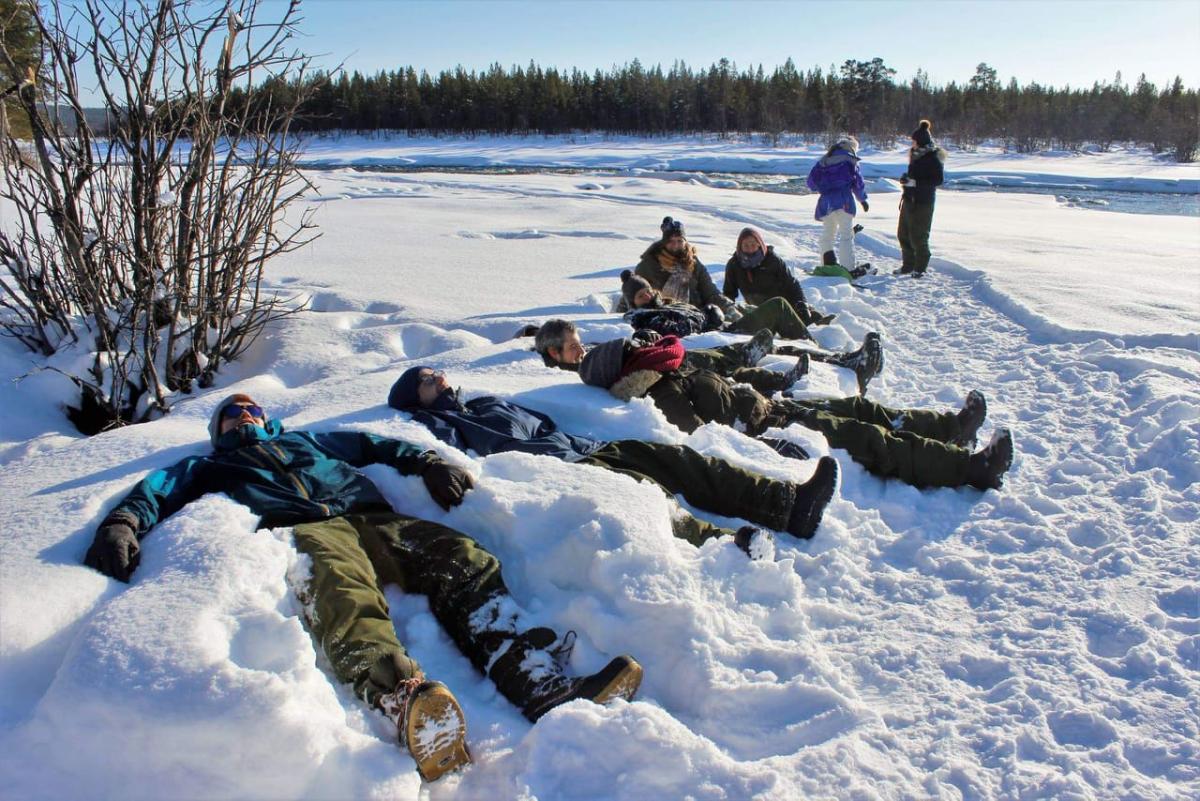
(918, 152)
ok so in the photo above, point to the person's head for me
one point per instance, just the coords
(923, 136)
(422, 387)
(847, 143)
(558, 342)
(750, 241)
(674, 238)
(636, 290)
(237, 412)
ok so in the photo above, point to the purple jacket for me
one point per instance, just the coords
(838, 179)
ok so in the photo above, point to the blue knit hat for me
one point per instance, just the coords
(404, 392)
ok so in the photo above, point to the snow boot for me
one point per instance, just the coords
(798, 371)
(785, 448)
(756, 543)
(620, 678)
(905, 269)
(863, 269)
(866, 362)
(430, 725)
(811, 499)
(973, 413)
(758, 347)
(829, 258)
(986, 468)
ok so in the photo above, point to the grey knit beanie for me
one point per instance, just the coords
(601, 367)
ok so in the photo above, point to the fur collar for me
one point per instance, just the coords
(636, 384)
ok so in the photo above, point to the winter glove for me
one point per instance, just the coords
(644, 336)
(866, 206)
(910, 182)
(446, 483)
(115, 551)
(858, 229)
(714, 318)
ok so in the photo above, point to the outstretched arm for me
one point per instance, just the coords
(446, 483)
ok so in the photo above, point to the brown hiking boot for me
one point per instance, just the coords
(430, 724)
(620, 678)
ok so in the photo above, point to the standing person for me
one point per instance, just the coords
(490, 425)
(357, 543)
(925, 174)
(837, 177)
(757, 272)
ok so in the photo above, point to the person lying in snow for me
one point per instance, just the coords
(489, 425)
(357, 543)
(670, 266)
(922, 448)
(649, 311)
(756, 271)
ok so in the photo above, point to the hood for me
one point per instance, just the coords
(242, 435)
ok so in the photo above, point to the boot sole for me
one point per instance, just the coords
(435, 732)
(623, 685)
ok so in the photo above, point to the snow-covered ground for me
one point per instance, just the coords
(1038, 642)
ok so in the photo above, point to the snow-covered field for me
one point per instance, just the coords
(1038, 642)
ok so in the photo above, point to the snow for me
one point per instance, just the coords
(1042, 641)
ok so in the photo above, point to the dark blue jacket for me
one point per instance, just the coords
(287, 478)
(490, 425)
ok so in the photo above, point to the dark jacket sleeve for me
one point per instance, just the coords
(158, 496)
(441, 429)
(707, 289)
(360, 449)
(792, 291)
(730, 288)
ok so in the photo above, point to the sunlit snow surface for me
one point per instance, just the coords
(1038, 642)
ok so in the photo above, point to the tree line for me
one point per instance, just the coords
(861, 97)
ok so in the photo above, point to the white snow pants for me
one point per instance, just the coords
(839, 225)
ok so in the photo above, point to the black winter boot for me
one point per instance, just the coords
(620, 678)
(785, 448)
(828, 258)
(754, 542)
(798, 371)
(758, 347)
(812, 498)
(973, 413)
(986, 468)
(866, 362)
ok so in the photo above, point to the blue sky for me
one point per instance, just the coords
(1052, 42)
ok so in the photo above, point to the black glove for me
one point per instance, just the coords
(115, 551)
(866, 206)
(857, 227)
(644, 336)
(714, 318)
(785, 448)
(446, 483)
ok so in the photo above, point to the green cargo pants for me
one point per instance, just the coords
(710, 484)
(916, 220)
(354, 556)
(909, 444)
(729, 361)
(776, 314)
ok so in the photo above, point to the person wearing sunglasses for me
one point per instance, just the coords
(671, 267)
(356, 543)
(489, 424)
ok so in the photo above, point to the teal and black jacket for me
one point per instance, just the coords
(286, 478)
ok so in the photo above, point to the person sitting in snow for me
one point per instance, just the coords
(756, 271)
(925, 174)
(671, 266)
(839, 180)
(490, 425)
(922, 448)
(357, 543)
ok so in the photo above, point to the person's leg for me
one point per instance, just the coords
(908, 256)
(710, 484)
(777, 315)
(828, 232)
(922, 223)
(723, 360)
(900, 454)
(768, 382)
(940, 426)
(346, 610)
(845, 234)
(468, 597)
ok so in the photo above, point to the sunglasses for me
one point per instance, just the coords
(234, 410)
(431, 378)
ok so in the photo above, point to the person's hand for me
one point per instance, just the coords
(446, 483)
(866, 206)
(115, 551)
(645, 336)
(910, 182)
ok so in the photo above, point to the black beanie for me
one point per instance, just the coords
(630, 285)
(670, 226)
(404, 392)
(923, 136)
